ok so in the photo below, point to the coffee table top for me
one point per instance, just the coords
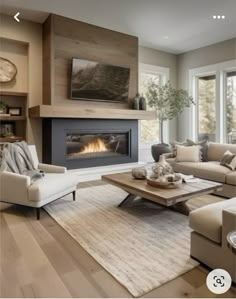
(165, 197)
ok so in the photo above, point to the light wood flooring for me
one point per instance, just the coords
(40, 259)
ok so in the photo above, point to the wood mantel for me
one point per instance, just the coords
(49, 111)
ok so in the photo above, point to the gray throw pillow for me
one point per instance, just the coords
(204, 147)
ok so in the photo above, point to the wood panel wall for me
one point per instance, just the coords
(66, 38)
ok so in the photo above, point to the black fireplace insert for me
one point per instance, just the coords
(80, 143)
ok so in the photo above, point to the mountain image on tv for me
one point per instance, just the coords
(100, 82)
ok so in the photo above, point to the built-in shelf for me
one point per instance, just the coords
(12, 118)
(49, 111)
(13, 93)
(11, 139)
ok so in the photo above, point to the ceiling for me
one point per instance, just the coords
(175, 26)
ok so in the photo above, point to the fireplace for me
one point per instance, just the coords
(94, 144)
(80, 143)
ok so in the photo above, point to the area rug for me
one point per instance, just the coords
(143, 246)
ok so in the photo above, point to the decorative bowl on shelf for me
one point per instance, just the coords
(167, 182)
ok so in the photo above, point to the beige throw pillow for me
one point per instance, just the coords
(188, 153)
(229, 160)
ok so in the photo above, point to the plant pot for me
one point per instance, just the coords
(159, 149)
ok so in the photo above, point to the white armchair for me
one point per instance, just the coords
(18, 189)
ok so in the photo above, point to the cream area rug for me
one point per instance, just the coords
(143, 246)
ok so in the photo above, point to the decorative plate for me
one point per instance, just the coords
(8, 70)
(170, 182)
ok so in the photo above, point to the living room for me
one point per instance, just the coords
(118, 148)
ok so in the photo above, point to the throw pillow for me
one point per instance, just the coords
(229, 160)
(188, 153)
(204, 147)
(174, 144)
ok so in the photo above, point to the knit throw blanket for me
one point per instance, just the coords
(16, 158)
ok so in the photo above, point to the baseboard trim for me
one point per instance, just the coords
(95, 173)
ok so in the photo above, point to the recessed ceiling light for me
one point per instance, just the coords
(166, 37)
(222, 17)
(218, 17)
(214, 17)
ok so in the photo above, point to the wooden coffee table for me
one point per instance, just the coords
(174, 198)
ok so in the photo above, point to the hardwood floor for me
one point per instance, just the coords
(40, 259)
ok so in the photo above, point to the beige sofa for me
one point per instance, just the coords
(211, 225)
(211, 170)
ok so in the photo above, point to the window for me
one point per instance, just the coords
(213, 88)
(149, 129)
(231, 107)
(206, 105)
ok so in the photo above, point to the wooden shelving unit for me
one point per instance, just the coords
(11, 139)
(18, 123)
(13, 93)
(12, 118)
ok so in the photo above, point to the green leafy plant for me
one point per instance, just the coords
(167, 101)
(3, 107)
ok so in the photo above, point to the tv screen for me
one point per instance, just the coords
(95, 81)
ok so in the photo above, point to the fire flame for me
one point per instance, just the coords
(95, 146)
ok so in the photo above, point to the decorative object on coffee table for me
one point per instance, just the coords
(139, 173)
(169, 103)
(166, 182)
(162, 168)
(8, 70)
(136, 102)
(231, 239)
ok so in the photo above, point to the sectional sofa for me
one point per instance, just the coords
(211, 170)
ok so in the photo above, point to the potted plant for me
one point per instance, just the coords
(169, 103)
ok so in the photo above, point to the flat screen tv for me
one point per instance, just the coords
(95, 81)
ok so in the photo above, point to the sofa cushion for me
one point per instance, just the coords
(212, 171)
(207, 220)
(217, 150)
(231, 178)
(50, 185)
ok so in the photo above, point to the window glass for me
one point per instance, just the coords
(231, 107)
(149, 128)
(207, 108)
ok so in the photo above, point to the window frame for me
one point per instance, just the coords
(219, 70)
(164, 73)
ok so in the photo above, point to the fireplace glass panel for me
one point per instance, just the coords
(96, 145)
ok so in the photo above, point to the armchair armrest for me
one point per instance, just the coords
(14, 187)
(229, 223)
(48, 168)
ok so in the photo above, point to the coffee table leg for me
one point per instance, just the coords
(129, 198)
(181, 207)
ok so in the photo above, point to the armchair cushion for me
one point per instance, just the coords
(207, 220)
(52, 185)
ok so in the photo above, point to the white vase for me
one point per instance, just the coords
(162, 167)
